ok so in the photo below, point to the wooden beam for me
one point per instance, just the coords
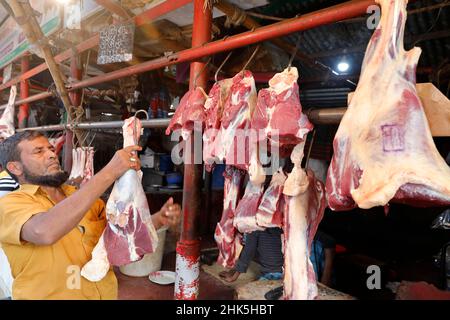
(26, 19)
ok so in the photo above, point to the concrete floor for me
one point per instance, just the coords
(141, 288)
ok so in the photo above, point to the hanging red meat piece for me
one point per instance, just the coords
(383, 149)
(270, 210)
(227, 237)
(190, 110)
(278, 115)
(304, 208)
(214, 106)
(232, 143)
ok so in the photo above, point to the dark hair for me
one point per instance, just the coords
(9, 150)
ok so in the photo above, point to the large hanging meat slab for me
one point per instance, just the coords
(129, 233)
(383, 149)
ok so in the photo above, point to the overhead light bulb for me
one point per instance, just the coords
(343, 66)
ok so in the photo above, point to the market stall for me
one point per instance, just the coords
(236, 116)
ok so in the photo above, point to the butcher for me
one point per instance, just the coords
(48, 229)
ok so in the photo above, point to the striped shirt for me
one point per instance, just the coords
(7, 184)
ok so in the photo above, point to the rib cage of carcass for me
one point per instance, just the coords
(383, 149)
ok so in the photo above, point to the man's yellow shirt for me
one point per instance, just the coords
(53, 271)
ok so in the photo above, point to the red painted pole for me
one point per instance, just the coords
(188, 248)
(24, 109)
(76, 71)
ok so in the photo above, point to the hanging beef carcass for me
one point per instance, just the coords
(383, 149)
(270, 209)
(304, 208)
(227, 237)
(129, 233)
(191, 110)
(214, 109)
(232, 143)
(278, 116)
(7, 118)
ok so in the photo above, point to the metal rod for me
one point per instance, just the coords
(325, 116)
(153, 123)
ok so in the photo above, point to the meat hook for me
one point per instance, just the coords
(251, 58)
(201, 71)
(135, 135)
(291, 59)
(221, 65)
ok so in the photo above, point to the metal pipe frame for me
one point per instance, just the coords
(153, 123)
(332, 14)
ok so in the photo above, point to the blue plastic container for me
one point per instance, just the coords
(174, 179)
(165, 163)
(217, 177)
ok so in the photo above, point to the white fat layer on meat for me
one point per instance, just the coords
(256, 170)
(296, 182)
(284, 80)
(97, 268)
(374, 105)
(296, 252)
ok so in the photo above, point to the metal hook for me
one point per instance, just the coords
(221, 65)
(251, 58)
(291, 59)
(136, 140)
(84, 139)
(201, 71)
(92, 140)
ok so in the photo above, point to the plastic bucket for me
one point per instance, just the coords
(150, 262)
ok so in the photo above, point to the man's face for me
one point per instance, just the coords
(39, 163)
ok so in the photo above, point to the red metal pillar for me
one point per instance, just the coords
(188, 248)
(24, 109)
(75, 98)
